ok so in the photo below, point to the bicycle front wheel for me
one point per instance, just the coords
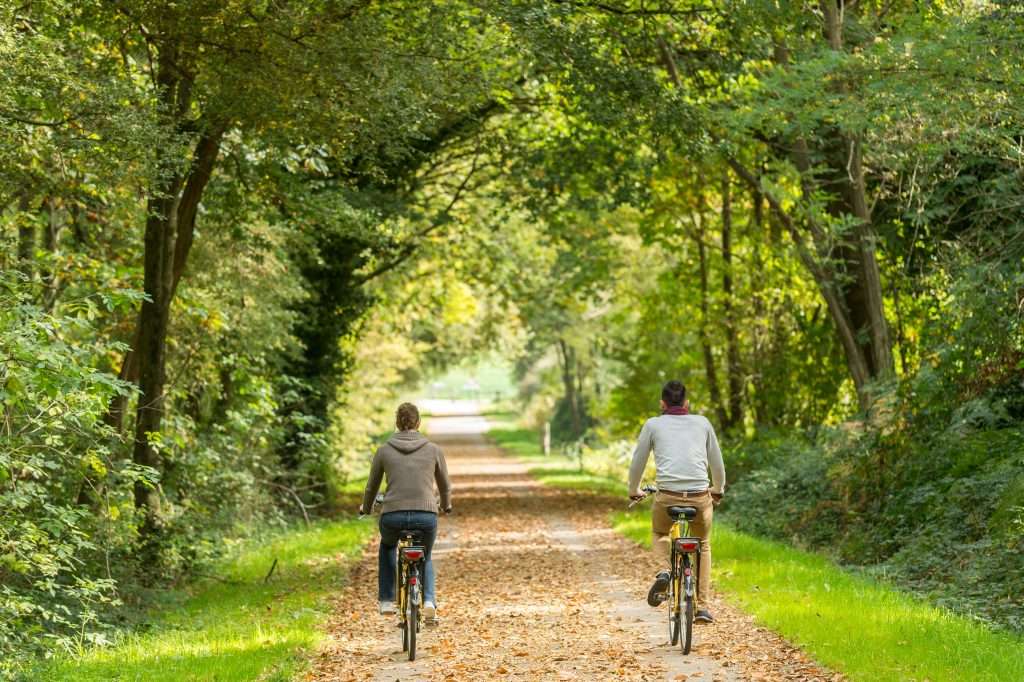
(673, 610)
(687, 618)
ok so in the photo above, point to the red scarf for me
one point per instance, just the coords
(676, 409)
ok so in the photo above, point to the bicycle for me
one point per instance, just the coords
(411, 568)
(684, 562)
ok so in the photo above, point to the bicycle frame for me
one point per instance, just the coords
(684, 546)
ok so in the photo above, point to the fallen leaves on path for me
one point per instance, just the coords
(533, 585)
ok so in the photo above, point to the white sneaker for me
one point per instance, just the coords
(388, 608)
(429, 610)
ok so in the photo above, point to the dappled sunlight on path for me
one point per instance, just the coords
(533, 585)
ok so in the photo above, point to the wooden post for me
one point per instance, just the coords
(546, 441)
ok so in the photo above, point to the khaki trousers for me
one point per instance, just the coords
(700, 527)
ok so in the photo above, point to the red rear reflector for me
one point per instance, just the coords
(686, 571)
(413, 554)
(687, 546)
(412, 580)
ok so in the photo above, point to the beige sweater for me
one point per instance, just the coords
(412, 464)
(685, 452)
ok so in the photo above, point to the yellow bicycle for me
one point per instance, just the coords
(684, 567)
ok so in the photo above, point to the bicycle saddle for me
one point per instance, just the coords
(416, 535)
(687, 512)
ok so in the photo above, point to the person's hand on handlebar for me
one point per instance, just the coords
(637, 496)
(448, 510)
(643, 492)
(716, 499)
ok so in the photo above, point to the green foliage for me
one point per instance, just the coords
(938, 518)
(941, 459)
(51, 439)
(607, 194)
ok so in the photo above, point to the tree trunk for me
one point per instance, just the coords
(51, 233)
(710, 370)
(858, 306)
(204, 159)
(26, 236)
(867, 302)
(870, 279)
(172, 205)
(735, 366)
(827, 285)
(152, 337)
(569, 386)
(762, 325)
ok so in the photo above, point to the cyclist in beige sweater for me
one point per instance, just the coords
(690, 472)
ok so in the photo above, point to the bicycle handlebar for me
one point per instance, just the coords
(647, 491)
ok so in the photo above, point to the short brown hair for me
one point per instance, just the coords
(407, 418)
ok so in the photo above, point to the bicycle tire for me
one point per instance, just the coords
(687, 638)
(411, 625)
(402, 615)
(400, 604)
(673, 610)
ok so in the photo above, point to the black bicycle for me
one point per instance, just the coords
(412, 564)
(684, 566)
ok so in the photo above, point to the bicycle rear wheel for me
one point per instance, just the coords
(412, 624)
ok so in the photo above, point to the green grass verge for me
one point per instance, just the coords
(851, 623)
(572, 479)
(237, 630)
(517, 441)
(525, 444)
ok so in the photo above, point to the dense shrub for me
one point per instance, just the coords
(55, 578)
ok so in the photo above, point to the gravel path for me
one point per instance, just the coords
(533, 585)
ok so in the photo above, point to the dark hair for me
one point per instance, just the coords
(674, 393)
(407, 418)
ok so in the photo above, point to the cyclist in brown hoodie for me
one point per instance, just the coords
(412, 464)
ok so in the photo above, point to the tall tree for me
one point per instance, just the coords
(732, 341)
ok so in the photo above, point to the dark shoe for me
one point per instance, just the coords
(659, 590)
(703, 616)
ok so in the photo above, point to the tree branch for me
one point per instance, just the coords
(625, 11)
(406, 251)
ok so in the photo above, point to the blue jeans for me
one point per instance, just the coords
(387, 560)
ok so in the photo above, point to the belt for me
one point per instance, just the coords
(685, 493)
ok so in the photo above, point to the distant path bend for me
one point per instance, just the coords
(534, 585)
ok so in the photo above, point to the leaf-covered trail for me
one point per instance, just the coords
(533, 584)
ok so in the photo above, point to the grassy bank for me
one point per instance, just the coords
(240, 627)
(857, 625)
